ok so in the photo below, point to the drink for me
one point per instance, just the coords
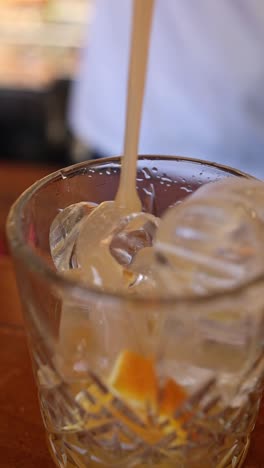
(95, 412)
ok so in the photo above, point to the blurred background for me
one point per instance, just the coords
(204, 93)
(40, 42)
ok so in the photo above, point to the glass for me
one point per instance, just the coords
(200, 418)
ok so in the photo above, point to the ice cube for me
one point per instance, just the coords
(143, 266)
(250, 192)
(91, 334)
(64, 231)
(108, 241)
(75, 340)
(131, 245)
(93, 255)
(210, 241)
(134, 233)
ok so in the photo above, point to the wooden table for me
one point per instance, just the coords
(22, 438)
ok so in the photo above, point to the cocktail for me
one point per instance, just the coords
(146, 351)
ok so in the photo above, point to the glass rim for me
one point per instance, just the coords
(37, 264)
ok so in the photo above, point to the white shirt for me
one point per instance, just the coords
(205, 87)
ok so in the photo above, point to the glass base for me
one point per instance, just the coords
(112, 435)
(66, 455)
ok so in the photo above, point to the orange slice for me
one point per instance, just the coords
(134, 378)
(171, 397)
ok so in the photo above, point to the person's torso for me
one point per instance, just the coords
(204, 94)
